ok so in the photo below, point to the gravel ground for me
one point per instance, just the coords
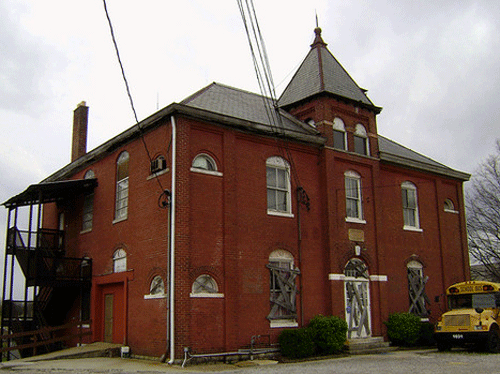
(408, 362)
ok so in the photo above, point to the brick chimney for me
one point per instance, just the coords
(80, 122)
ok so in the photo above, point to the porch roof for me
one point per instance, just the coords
(47, 192)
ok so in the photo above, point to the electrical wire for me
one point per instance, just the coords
(265, 81)
(127, 87)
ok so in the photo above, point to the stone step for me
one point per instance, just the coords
(368, 345)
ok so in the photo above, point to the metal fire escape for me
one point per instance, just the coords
(41, 283)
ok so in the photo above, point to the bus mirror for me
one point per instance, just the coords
(479, 310)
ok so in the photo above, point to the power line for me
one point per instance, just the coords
(265, 79)
(127, 87)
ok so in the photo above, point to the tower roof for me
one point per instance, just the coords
(320, 72)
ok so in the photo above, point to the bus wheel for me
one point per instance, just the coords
(443, 346)
(493, 341)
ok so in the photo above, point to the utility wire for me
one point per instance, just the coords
(141, 132)
(264, 78)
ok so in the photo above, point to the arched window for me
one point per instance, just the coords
(278, 186)
(339, 134)
(416, 288)
(361, 140)
(88, 205)
(157, 286)
(449, 206)
(282, 287)
(204, 285)
(204, 162)
(122, 186)
(410, 205)
(354, 207)
(119, 261)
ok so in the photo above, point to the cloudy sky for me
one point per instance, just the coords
(434, 67)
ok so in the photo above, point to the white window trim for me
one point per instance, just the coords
(342, 277)
(157, 296)
(203, 171)
(412, 228)
(280, 323)
(280, 163)
(279, 214)
(353, 175)
(210, 158)
(157, 174)
(355, 220)
(448, 210)
(207, 295)
(338, 125)
(416, 228)
(362, 133)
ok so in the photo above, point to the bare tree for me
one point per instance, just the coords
(483, 219)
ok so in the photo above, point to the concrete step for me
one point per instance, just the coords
(368, 345)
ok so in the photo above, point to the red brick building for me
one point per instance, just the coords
(220, 218)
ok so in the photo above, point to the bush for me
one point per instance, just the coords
(403, 329)
(426, 334)
(297, 343)
(329, 334)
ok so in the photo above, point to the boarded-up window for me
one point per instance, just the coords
(283, 290)
(416, 289)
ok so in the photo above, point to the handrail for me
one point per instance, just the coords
(34, 333)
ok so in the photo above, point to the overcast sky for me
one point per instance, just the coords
(434, 67)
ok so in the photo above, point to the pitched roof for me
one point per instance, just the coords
(257, 110)
(394, 153)
(320, 72)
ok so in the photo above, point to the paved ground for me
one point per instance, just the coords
(410, 362)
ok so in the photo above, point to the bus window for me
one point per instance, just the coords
(484, 300)
(460, 301)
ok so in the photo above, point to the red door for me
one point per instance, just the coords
(110, 324)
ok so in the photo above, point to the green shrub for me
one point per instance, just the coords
(426, 334)
(329, 334)
(297, 343)
(403, 329)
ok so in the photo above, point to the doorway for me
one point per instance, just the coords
(357, 299)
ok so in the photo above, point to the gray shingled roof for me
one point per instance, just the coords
(242, 109)
(247, 106)
(395, 153)
(320, 72)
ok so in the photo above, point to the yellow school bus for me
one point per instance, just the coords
(473, 316)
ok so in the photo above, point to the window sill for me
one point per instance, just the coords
(279, 323)
(157, 174)
(207, 295)
(208, 172)
(116, 220)
(411, 228)
(451, 211)
(85, 231)
(279, 214)
(158, 296)
(355, 220)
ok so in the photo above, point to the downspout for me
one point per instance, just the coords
(172, 247)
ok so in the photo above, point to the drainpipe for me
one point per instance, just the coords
(172, 247)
